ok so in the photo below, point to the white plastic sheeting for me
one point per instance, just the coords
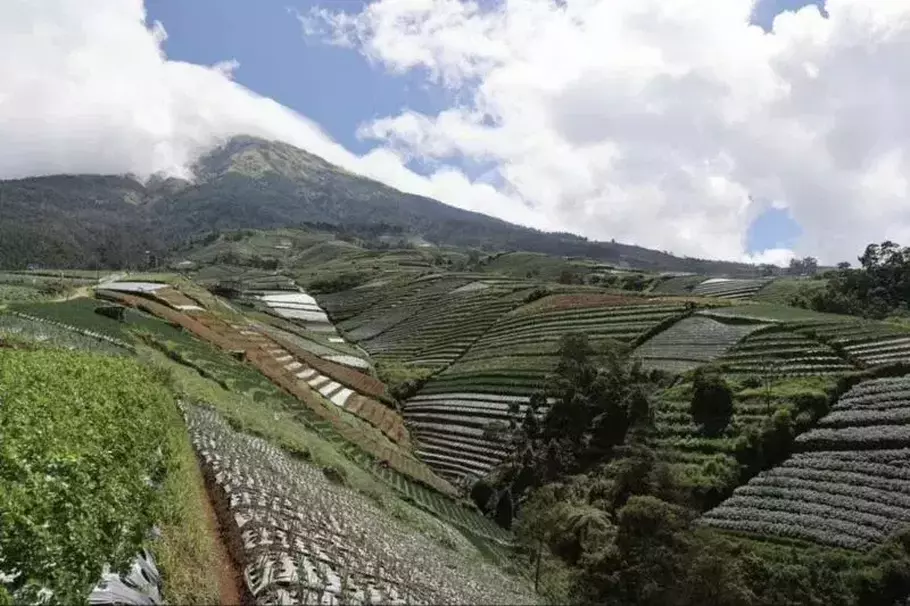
(140, 287)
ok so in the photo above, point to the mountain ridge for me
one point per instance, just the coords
(248, 182)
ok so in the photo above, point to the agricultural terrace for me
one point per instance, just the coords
(319, 344)
(157, 291)
(848, 487)
(88, 492)
(692, 342)
(399, 304)
(867, 344)
(15, 327)
(710, 460)
(346, 304)
(784, 353)
(677, 285)
(767, 312)
(451, 414)
(441, 332)
(301, 538)
(374, 433)
(729, 288)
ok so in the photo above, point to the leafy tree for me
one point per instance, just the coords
(712, 400)
(505, 510)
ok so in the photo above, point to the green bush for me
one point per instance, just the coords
(82, 454)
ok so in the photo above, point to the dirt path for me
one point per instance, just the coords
(230, 579)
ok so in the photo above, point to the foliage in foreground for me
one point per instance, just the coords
(83, 453)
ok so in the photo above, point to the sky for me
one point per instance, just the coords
(713, 128)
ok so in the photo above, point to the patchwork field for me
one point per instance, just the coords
(450, 416)
(342, 405)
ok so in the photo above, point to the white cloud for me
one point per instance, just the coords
(86, 88)
(660, 121)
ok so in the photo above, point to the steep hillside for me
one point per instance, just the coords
(109, 221)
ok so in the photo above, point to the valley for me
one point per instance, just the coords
(356, 417)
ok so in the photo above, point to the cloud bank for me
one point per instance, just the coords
(86, 88)
(670, 124)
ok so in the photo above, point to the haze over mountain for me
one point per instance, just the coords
(91, 220)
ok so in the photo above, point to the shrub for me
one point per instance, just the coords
(536, 294)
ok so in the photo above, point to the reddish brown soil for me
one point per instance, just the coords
(230, 579)
(208, 328)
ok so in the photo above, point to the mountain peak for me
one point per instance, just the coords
(257, 158)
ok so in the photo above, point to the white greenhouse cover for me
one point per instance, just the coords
(348, 361)
(299, 314)
(132, 286)
(296, 297)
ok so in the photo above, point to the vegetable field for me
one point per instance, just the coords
(849, 484)
(868, 344)
(727, 288)
(450, 429)
(87, 492)
(306, 539)
(784, 353)
(691, 342)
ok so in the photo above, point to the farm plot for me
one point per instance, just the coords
(849, 485)
(868, 344)
(305, 539)
(708, 459)
(691, 342)
(442, 332)
(783, 353)
(539, 334)
(297, 307)
(766, 312)
(451, 429)
(346, 304)
(400, 305)
(17, 292)
(678, 285)
(78, 315)
(729, 288)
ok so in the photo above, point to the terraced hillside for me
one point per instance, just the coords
(451, 414)
(728, 288)
(251, 393)
(306, 540)
(848, 484)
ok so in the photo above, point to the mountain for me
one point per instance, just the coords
(95, 220)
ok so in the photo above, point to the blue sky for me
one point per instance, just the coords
(338, 88)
